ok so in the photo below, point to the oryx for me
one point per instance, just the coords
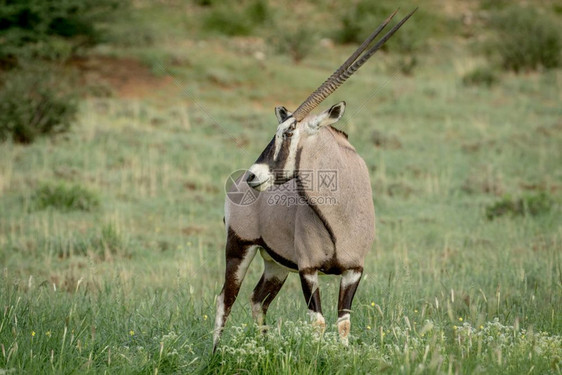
(313, 209)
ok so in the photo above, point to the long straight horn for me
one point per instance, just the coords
(349, 67)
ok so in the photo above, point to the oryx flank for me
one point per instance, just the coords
(313, 212)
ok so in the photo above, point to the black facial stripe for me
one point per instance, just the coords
(284, 151)
(266, 156)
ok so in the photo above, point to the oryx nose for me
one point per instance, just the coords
(251, 177)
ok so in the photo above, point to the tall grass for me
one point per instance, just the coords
(129, 286)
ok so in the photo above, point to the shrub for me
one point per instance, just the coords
(494, 4)
(64, 198)
(204, 3)
(297, 42)
(51, 29)
(527, 40)
(359, 20)
(528, 205)
(538, 204)
(407, 63)
(35, 101)
(231, 20)
(480, 77)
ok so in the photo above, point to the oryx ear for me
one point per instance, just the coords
(282, 114)
(331, 115)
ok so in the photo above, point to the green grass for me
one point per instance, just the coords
(129, 286)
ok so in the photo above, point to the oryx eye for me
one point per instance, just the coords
(289, 132)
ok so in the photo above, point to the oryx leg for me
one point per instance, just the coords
(266, 290)
(238, 259)
(309, 282)
(348, 286)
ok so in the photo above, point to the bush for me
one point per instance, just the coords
(527, 40)
(234, 20)
(51, 29)
(528, 205)
(480, 76)
(296, 42)
(35, 101)
(64, 198)
(359, 20)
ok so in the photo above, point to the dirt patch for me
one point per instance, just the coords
(124, 77)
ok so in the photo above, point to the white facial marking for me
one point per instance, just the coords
(243, 267)
(278, 143)
(349, 278)
(263, 175)
(279, 134)
(290, 164)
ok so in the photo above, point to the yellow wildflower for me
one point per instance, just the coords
(131, 332)
(48, 333)
(373, 304)
(368, 327)
(32, 333)
(205, 317)
(460, 319)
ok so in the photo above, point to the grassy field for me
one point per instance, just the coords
(112, 241)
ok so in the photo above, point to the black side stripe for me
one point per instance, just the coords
(237, 248)
(276, 257)
(316, 209)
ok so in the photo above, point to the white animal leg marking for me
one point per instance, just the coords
(219, 320)
(245, 263)
(348, 286)
(344, 326)
(309, 281)
(235, 271)
(257, 312)
(317, 319)
(266, 290)
(350, 277)
(313, 281)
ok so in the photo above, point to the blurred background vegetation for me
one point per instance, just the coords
(42, 39)
(121, 120)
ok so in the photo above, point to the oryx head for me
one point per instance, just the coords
(277, 162)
